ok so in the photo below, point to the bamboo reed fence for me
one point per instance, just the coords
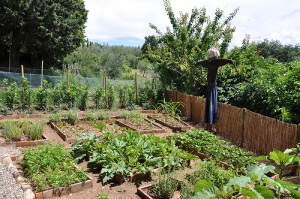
(252, 131)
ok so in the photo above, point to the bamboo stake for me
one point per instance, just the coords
(22, 71)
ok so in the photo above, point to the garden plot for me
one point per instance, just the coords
(70, 132)
(51, 172)
(21, 133)
(174, 123)
(137, 122)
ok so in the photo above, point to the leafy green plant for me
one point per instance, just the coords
(50, 166)
(11, 94)
(98, 98)
(55, 117)
(102, 115)
(72, 117)
(111, 96)
(164, 187)
(99, 125)
(130, 115)
(208, 143)
(91, 116)
(132, 153)
(99, 196)
(82, 101)
(281, 159)
(34, 131)
(122, 96)
(26, 95)
(43, 96)
(84, 146)
(11, 132)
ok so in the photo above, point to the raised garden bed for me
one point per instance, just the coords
(141, 125)
(70, 133)
(173, 123)
(21, 133)
(41, 189)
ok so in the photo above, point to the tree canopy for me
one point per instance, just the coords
(35, 30)
(176, 51)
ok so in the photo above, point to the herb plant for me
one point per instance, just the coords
(164, 187)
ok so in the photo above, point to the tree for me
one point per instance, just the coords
(48, 29)
(176, 52)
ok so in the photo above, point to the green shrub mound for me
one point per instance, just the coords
(129, 153)
(208, 143)
(50, 166)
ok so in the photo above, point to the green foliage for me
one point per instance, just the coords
(208, 143)
(164, 187)
(99, 98)
(16, 130)
(50, 166)
(111, 96)
(11, 132)
(275, 49)
(43, 96)
(99, 125)
(55, 117)
(122, 97)
(264, 86)
(176, 52)
(71, 117)
(83, 98)
(133, 153)
(26, 94)
(130, 115)
(11, 94)
(49, 29)
(84, 146)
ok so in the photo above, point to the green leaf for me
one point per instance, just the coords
(241, 181)
(249, 193)
(203, 184)
(265, 192)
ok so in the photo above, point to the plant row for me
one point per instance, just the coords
(73, 94)
(129, 154)
(205, 142)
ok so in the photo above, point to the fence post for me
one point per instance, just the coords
(42, 72)
(298, 134)
(243, 127)
(136, 89)
(22, 71)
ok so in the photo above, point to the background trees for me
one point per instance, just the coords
(176, 52)
(35, 30)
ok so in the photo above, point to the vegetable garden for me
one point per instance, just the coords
(187, 163)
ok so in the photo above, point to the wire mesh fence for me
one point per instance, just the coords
(37, 76)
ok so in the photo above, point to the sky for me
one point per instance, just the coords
(126, 22)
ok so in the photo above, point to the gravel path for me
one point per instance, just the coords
(8, 187)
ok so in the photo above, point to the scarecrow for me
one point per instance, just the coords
(212, 64)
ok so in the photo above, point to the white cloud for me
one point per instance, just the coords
(272, 19)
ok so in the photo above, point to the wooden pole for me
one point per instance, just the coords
(42, 72)
(68, 76)
(22, 71)
(136, 89)
(105, 87)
